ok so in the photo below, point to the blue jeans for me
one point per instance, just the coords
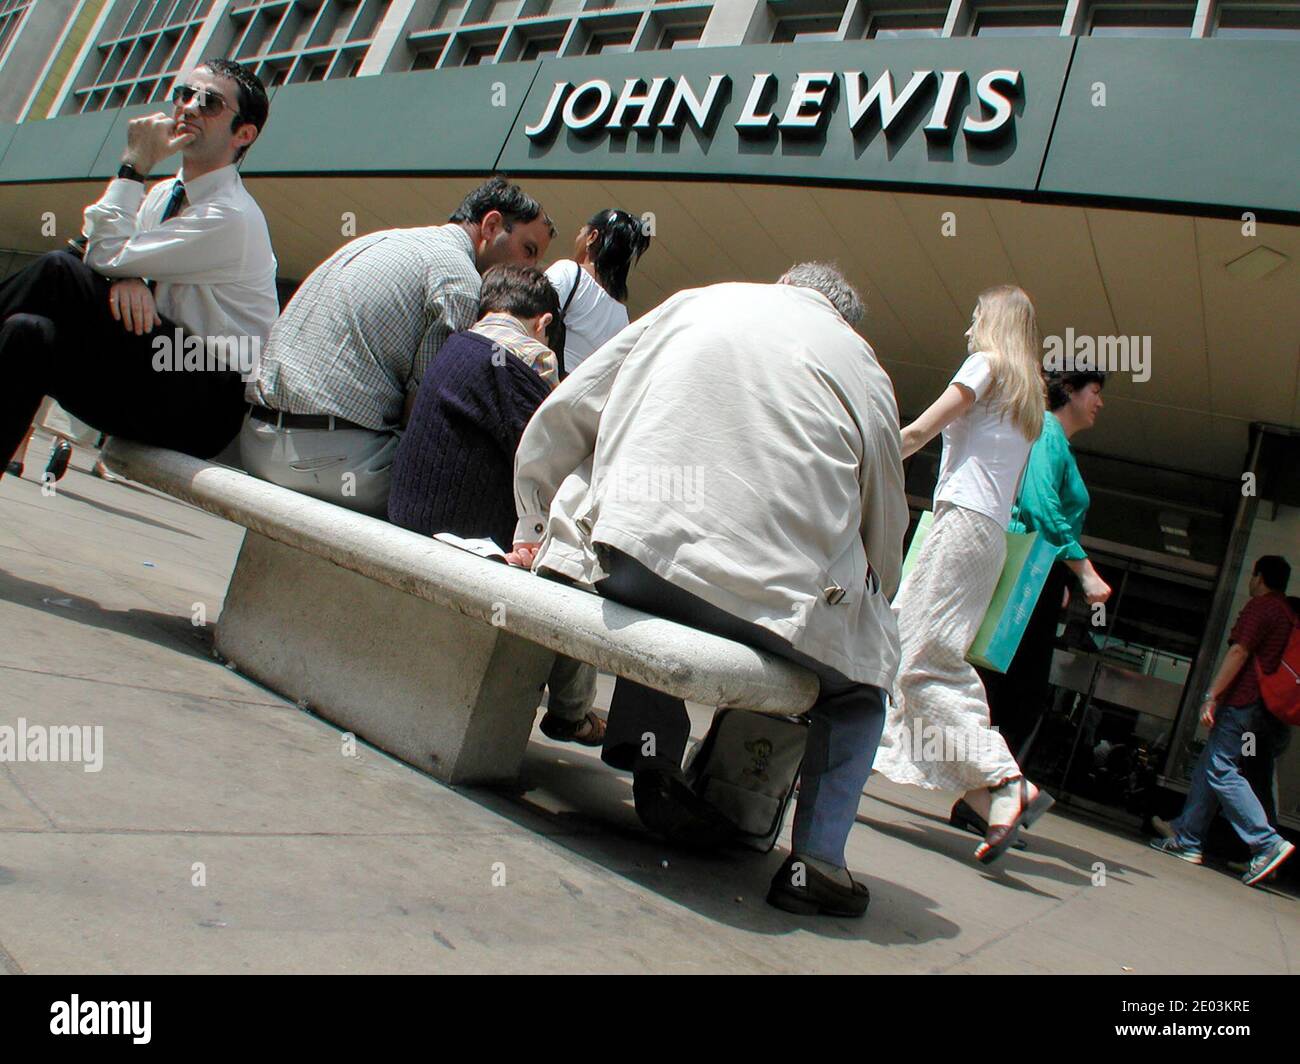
(1217, 780)
(845, 723)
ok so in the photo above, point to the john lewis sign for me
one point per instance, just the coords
(669, 103)
(970, 112)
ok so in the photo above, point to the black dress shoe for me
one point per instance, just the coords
(60, 456)
(14, 469)
(667, 806)
(799, 888)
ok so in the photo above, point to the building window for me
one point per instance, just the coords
(427, 58)
(314, 70)
(500, 10)
(1280, 23)
(138, 55)
(479, 53)
(285, 41)
(683, 36)
(1142, 21)
(893, 25)
(447, 14)
(541, 47)
(1043, 22)
(606, 42)
(302, 40)
(11, 17)
(804, 28)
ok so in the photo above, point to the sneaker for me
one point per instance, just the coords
(1264, 864)
(1185, 853)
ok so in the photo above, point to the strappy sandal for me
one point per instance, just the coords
(964, 817)
(1000, 837)
(589, 731)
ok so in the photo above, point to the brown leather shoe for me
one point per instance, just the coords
(589, 731)
(799, 888)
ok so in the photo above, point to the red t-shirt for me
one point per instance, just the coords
(1262, 628)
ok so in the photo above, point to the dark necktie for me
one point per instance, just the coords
(174, 201)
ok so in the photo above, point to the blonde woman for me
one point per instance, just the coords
(937, 734)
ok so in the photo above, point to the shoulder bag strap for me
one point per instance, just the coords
(562, 330)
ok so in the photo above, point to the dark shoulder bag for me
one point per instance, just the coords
(558, 332)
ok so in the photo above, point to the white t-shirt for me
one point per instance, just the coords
(984, 453)
(593, 317)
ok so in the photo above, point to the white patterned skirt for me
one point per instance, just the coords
(937, 734)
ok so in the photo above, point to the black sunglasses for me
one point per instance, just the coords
(211, 102)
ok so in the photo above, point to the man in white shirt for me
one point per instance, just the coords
(731, 461)
(147, 336)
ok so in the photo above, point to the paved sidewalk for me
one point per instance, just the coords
(227, 831)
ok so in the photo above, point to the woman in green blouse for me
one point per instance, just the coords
(1053, 501)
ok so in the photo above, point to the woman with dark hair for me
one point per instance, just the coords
(1053, 501)
(593, 284)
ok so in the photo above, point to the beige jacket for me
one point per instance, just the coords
(742, 442)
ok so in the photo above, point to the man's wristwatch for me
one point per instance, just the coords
(1209, 697)
(129, 172)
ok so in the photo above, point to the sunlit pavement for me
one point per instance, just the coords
(226, 830)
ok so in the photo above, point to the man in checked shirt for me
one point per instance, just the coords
(344, 362)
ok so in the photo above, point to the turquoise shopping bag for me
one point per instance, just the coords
(1029, 557)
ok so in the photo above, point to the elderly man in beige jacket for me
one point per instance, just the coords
(731, 461)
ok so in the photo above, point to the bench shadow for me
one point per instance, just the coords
(586, 807)
(162, 629)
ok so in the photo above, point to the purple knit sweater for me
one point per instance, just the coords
(454, 469)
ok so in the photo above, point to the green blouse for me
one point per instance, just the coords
(1053, 499)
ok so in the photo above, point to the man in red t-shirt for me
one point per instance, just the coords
(1235, 713)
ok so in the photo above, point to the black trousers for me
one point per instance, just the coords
(58, 338)
(1018, 698)
(844, 724)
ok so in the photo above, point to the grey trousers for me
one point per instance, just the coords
(571, 689)
(349, 467)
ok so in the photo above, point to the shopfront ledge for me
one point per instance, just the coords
(431, 653)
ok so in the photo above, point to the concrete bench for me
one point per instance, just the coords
(429, 652)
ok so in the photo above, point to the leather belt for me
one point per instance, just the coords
(302, 421)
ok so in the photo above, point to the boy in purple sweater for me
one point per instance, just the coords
(454, 468)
